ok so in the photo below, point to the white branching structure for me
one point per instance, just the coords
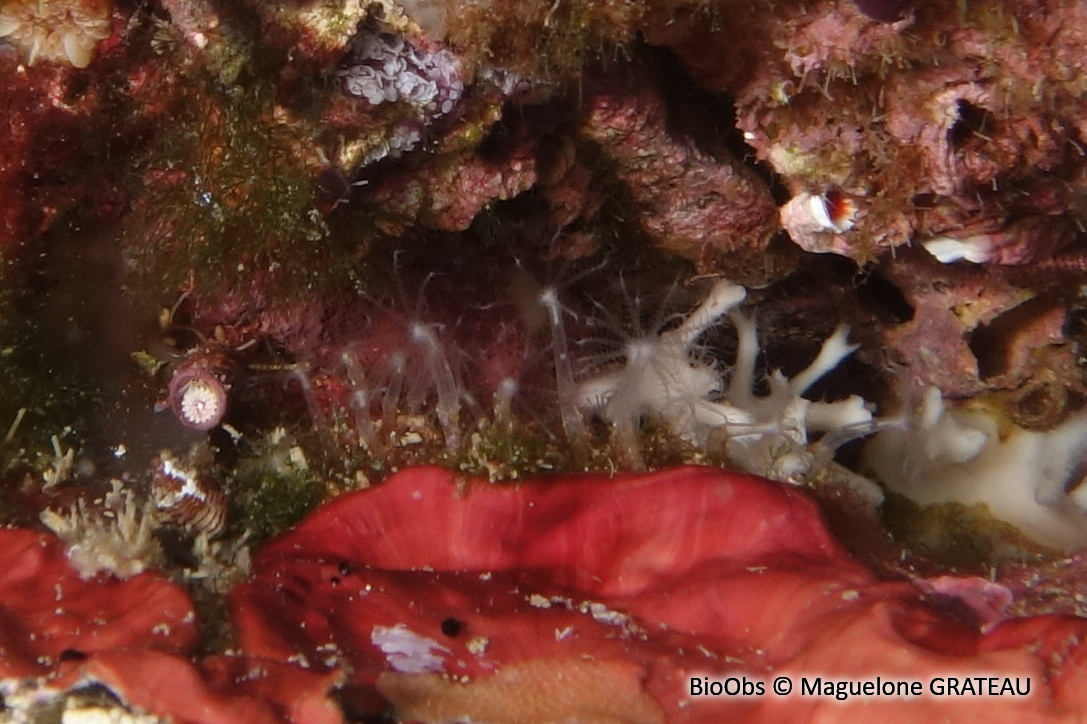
(662, 376)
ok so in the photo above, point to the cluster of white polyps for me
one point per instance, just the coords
(384, 68)
(662, 376)
(422, 373)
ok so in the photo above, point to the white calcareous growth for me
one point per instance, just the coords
(662, 377)
(420, 86)
(946, 249)
(62, 31)
(971, 456)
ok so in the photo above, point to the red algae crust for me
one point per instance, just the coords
(580, 597)
(49, 612)
(136, 637)
(448, 598)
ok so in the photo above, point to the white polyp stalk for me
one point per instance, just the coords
(932, 408)
(390, 399)
(736, 430)
(836, 438)
(741, 386)
(722, 297)
(709, 416)
(624, 406)
(441, 376)
(627, 446)
(834, 350)
(316, 416)
(829, 416)
(503, 402)
(572, 423)
(363, 391)
(448, 401)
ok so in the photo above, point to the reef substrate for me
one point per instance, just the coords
(259, 256)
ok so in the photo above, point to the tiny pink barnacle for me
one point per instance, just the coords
(833, 210)
(197, 396)
(816, 221)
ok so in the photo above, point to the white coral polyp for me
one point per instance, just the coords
(662, 378)
(63, 31)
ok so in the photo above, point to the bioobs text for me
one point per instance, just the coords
(732, 686)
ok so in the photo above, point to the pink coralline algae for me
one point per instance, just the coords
(885, 10)
(507, 590)
(972, 329)
(966, 139)
(45, 109)
(932, 120)
(449, 194)
(694, 203)
(50, 110)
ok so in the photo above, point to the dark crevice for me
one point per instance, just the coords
(885, 300)
(991, 343)
(708, 118)
(972, 120)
